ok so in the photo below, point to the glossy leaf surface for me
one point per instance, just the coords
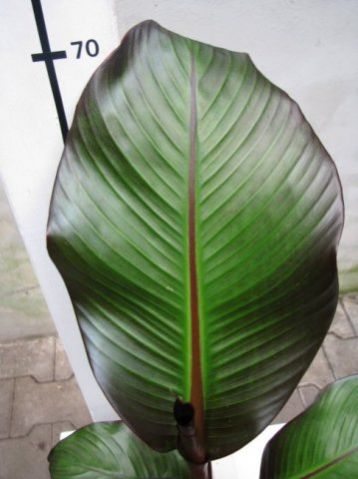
(195, 220)
(111, 450)
(322, 442)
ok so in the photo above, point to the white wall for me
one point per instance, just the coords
(308, 48)
(31, 142)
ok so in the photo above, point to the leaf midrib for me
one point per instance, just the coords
(196, 395)
(333, 462)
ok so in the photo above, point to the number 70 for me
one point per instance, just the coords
(91, 47)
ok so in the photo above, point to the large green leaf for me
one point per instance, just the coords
(111, 450)
(320, 443)
(195, 220)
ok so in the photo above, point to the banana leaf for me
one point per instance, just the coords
(195, 220)
(111, 450)
(322, 442)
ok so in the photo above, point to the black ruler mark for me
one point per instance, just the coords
(48, 57)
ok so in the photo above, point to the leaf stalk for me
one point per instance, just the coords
(201, 471)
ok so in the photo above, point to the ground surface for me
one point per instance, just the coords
(39, 396)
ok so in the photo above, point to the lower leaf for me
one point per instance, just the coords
(111, 450)
(320, 443)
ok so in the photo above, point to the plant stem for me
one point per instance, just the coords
(189, 445)
(201, 471)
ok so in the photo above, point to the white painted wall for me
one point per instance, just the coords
(308, 48)
(31, 142)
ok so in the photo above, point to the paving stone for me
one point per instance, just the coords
(341, 325)
(309, 394)
(21, 458)
(6, 397)
(63, 369)
(292, 408)
(38, 403)
(34, 357)
(59, 427)
(350, 303)
(40, 437)
(319, 372)
(342, 355)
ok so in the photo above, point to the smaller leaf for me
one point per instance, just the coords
(320, 443)
(111, 450)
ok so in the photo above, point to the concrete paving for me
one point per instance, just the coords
(39, 396)
(39, 401)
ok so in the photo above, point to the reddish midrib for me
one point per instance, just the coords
(196, 397)
(331, 464)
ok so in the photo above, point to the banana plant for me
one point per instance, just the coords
(195, 220)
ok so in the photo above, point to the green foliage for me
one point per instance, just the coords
(320, 443)
(111, 450)
(195, 220)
